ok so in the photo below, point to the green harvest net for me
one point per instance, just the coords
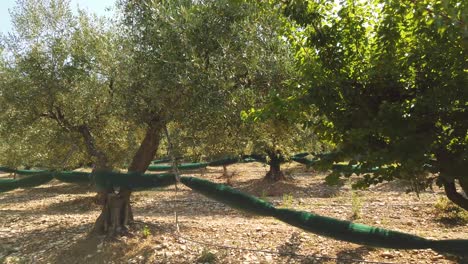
(163, 160)
(26, 182)
(30, 172)
(229, 196)
(73, 176)
(349, 231)
(183, 166)
(106, 180)
(224, 162)
(7, 170)
(322, 225)
(303, 160)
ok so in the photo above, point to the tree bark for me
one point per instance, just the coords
(103, 197)
(114, 216)
(115, 206)
(227, 176)
(143, 157)
(453, 195)
(451, 170)
(275, 174)
(102, 162)
(116, 211)
(150, 144)
(464, 185)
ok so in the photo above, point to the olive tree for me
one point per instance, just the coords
(58, 93)
(248, 64)
(57, 83)
(390, 78)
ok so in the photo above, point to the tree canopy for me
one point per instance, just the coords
(382, 82)
(390, 79)
(57, 88)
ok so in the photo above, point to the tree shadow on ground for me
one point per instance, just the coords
(290, 250)
(77, 205)
(261, 188)
(456, 259)
(315, 259)
(101, 249)
(291, 247)
(197, 172)
(52, 189)
(299, 170)
(398, 186)
(353, 255)
(48, 239)
(149, 204)
(450, 222)
(187, 205)
(73, 206)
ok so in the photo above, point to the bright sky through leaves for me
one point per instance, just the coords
(100, 7)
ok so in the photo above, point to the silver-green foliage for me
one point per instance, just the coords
(57, 79)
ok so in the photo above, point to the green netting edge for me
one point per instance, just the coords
(229, 196)
(164, 160)
(26, 182)
(224, 162)
(184, 166)
(322, 225)
(7, 170)
(73, 176)
(106, 180)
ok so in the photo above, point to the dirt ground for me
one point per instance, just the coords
(50, 223)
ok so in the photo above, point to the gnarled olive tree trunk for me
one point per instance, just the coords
(450, 171)
(116, 211)
(275, 160)
(452, 193)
